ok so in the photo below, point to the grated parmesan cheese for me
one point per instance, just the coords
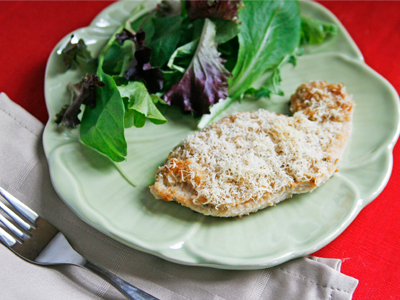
(251, 160)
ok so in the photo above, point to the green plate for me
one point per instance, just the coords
(100, 191)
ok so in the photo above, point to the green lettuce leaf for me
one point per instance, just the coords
(140, 105)
(183, 54)
(269, 31)
(315, 32)
(273, 83)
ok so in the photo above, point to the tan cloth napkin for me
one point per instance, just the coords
(24, 172)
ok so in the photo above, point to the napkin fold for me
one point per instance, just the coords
(24, 173)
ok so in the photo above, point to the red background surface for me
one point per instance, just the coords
(369, 247)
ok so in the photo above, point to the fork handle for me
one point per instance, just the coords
(130, 291)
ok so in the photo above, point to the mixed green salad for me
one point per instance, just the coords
(198, 55)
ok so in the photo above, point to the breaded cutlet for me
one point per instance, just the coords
(251, 160)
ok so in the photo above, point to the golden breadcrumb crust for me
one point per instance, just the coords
(251, 160)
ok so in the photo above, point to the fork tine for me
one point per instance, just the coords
(28, 213)
(6, 238)
(15, 217)
(13, 228)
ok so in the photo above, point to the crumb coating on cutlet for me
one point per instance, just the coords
(251, 160)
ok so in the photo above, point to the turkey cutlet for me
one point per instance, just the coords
(251, 160)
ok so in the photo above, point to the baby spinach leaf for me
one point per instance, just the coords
(163, 42)
(118, 58)
(144, 24)
(102, 127)
(226, 30)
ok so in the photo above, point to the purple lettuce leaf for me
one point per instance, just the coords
(205, 81)
(222, 9)
(140, 68)
(75, 53)
(168, 8)
(83, 92)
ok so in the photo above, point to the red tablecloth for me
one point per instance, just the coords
(369, 247)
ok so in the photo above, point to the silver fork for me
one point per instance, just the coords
(41, 243)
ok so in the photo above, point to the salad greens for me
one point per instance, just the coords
(140, 105)
(76, 53)
(83, 92)
(269, 32)
(166, 36)
(102, 127)
(314, 32)
(140, 67)
(198, 55)
(204, 82)
(212, 9)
